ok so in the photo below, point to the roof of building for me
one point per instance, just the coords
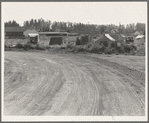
(123, 35)
(33, 34)
(53, 32)
(117, 37)
(105, 37)
(109, 37)
(14, 29)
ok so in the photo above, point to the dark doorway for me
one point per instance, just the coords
(55, 40)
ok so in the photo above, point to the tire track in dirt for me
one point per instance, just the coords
(69, 85)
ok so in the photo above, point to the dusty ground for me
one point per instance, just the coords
(71, 84)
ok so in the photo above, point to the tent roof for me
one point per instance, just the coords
(109, 37)
(123, 35)
(105, 37)
(32, 34)
(117, 37)
(139, 36)
(53, 32)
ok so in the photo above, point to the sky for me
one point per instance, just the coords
(83, 12)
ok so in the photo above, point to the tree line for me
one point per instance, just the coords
(47, 25)
(12, 24)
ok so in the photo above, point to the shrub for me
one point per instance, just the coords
(81, 49)
(84, 39)
(39, 47)
(69, 46)
(48, 46)
(134, 47)
(6, 46)
(94, 50)
(119, 49)
(63, 47)
(109, 50)
(19, 46)
(89, 45)
(141, 51)
(132, 52)
(97, 48)
(113, 44)
(128, 48)
(27, 47)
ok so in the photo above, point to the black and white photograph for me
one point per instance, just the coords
(74, 61)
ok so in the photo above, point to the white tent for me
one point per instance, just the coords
(32, 34)
(109, 37)
(139, 36)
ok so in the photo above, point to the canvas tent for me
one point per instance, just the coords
(29, 31)
(33, 38)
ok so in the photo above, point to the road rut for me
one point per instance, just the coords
(69, 85)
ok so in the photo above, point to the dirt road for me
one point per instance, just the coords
(71, 85)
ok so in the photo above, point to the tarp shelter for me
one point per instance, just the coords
(32, 34)
(33, 38)
(29, 31)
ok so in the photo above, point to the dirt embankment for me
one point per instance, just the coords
(67, 84)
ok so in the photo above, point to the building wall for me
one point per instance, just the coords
(14, 35)
(65, 40)
(71, 40)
